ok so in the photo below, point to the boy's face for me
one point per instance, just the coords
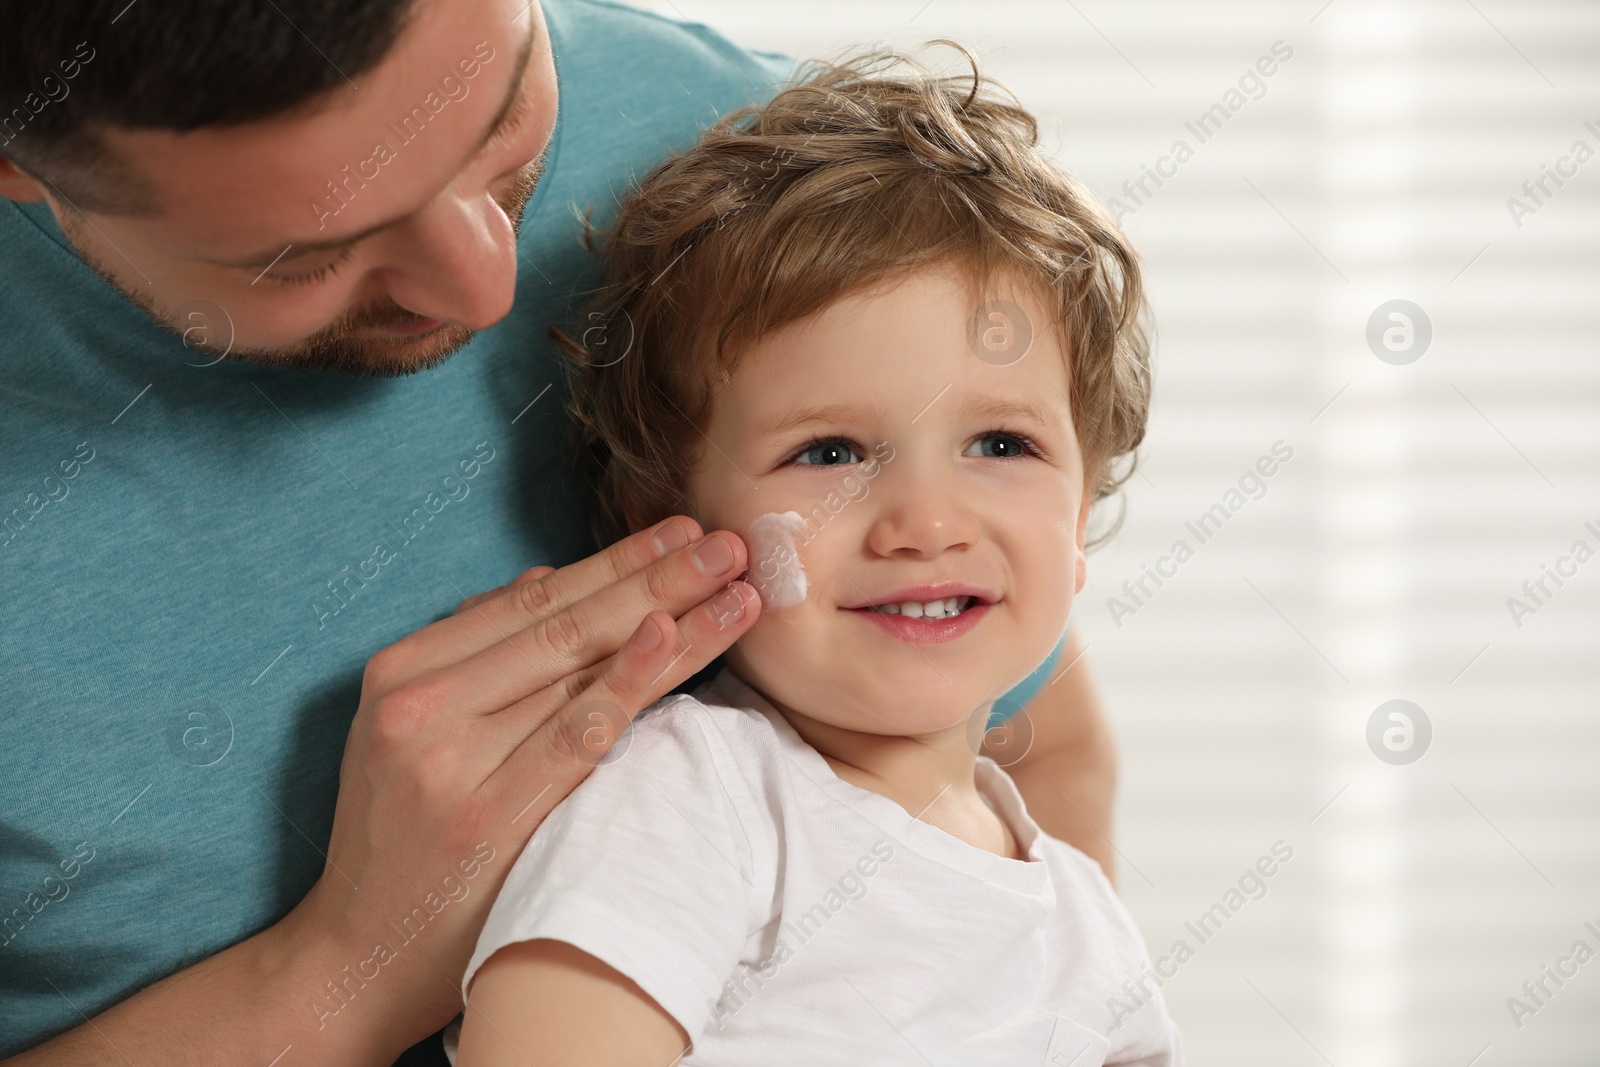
(923, 472)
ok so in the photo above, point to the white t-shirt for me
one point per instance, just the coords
(783, 915)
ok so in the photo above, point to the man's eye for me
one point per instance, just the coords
(314, 275)
(1000, 446)
(513, 120)
(827, 454)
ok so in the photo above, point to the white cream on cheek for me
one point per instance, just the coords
(775, 567)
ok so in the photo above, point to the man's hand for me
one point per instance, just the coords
(468, 732)
(472, 729)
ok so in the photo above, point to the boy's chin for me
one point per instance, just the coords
(926, 726)
(888, 695)
(911, 710)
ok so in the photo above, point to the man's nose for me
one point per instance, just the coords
(456, 260)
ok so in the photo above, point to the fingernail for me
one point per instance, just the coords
(728, 608)
(647, 637)
(714, 556)
(670, 536)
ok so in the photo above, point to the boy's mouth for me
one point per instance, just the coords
(928, 614)
(934, 600)
(931, 609)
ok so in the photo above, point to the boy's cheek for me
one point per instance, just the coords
(1046, 580)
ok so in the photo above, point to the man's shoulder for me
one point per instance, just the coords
(634, 89)
(629, 45)
(636, 86)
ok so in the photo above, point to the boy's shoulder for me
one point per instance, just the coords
(689, 768)
(709, 723)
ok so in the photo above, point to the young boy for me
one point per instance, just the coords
(869, 324)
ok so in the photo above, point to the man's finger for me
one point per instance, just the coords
(514, 607)
(523, 658)
(478, 598)
(574, 582)
(531, 575)
(700, 636)
(563, 746)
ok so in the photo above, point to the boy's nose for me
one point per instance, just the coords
(921, 518)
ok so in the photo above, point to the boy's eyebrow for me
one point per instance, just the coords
(1000, 408)
(974, 407)
(499, 120)
(835, 413)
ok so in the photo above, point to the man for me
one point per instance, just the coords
(204, 535)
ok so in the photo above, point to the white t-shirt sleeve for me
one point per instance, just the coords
(646, 866)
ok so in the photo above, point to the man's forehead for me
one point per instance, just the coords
(370, 152)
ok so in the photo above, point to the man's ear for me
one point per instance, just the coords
(17, 184)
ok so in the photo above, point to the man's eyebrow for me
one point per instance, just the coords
(268, 258)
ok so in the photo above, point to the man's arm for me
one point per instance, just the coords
(547, 1002)
(468, 733)
(1068, 776)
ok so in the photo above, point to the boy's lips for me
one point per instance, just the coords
(921, 594)
(925, 630)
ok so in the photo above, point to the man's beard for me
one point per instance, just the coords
(338, 348)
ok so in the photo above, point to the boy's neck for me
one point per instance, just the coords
(930, 775)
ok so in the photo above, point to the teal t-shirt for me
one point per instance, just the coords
(197, 561)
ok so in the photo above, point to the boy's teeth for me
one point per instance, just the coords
(932, 609)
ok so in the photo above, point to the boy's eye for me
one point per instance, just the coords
(998, 446)
(827, 454)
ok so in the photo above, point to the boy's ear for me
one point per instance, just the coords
(1081, 560)
(635, 518)
(630, 513)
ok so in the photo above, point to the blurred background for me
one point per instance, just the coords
(1441, 453)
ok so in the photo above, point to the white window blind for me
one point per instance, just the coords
(1397, 151)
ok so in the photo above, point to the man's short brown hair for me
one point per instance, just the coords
(865, 171)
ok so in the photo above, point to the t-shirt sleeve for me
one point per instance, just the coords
(1144, 1035)
(645, 866)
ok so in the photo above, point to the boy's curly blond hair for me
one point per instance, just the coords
(866, 171)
